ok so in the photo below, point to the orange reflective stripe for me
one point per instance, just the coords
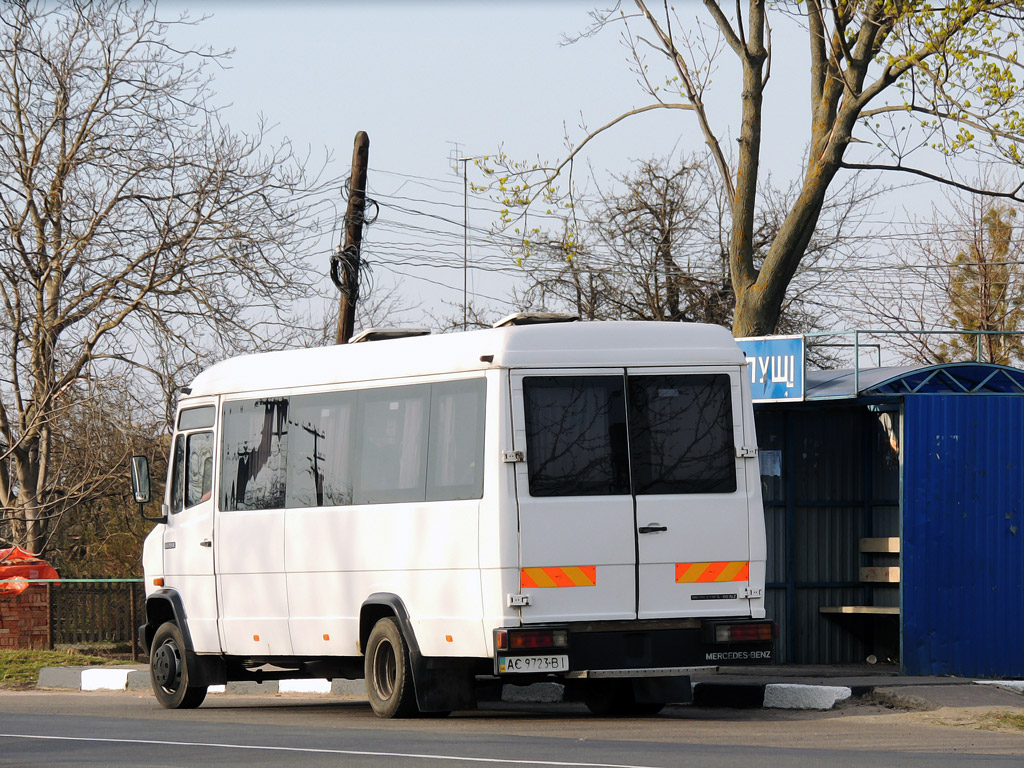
(735, 572)
(704, 573)
(712, 572)
(567, 576)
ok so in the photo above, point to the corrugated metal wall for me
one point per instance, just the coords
(963, 535)
(833, 479)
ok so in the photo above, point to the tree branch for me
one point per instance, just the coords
(1013, 195)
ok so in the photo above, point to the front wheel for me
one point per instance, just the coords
(388, 673)
(168, 670)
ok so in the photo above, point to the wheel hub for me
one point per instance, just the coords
(166, 669)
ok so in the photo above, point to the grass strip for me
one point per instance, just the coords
(20, 668)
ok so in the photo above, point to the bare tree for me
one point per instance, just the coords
(99, 530)
(964, 272)
(656, 247)
(888, 79)
(134, 224)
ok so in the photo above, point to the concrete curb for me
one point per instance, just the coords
(137, 679)
(1016, 686)
(732, 695)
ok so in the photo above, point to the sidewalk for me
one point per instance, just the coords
(823, 687)
(776, 687)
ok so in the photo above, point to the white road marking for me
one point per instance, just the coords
(348, 752)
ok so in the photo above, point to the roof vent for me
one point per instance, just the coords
(383, 334)
(535, 318)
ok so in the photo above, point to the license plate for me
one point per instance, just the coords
(508, 664)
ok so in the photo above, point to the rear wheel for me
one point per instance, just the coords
(388, 672)
(168, 670)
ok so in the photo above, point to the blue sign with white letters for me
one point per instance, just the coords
(776, 365)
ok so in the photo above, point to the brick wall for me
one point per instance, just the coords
(25, 619)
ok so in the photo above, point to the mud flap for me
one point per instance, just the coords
(442, 685)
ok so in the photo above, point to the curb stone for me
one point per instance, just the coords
(793, 696)
(1016, 686)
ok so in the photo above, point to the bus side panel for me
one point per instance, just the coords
(425, 553)
(251, 580)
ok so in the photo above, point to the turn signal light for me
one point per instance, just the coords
(744, 633)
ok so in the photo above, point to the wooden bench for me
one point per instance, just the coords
(873, 574)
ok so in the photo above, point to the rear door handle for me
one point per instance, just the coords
(205, 543)
(654, 528)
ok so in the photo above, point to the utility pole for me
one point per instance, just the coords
(346, 261)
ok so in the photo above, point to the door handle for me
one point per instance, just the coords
(653, 528)
(205, 543)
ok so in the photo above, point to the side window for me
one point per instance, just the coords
(681, 434)
(255, 446)
(178, 474)
(455, 453)
(320, 451)
(390, 463)
(192, 479)
(199, 483)
(576, 435)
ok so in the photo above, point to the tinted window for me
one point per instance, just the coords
(391, 461)
(320, 455)
(681, 434)
(456, 445)
(254, 453)
(576, 435)
(376, 446)
(199, 482)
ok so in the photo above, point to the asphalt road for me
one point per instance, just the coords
(129, 729)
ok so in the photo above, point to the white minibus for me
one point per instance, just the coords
(567, 501)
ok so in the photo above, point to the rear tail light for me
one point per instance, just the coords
(744, 633)
(538, 638)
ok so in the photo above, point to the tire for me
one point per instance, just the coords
(389, 685)
(168, 670)
(614, 698)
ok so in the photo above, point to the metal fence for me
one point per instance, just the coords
(102, 611)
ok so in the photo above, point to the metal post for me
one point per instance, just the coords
(465, 246)
(856, 363)
(49, 615)
(465, 235)
(133, 621)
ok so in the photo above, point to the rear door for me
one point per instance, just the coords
(577, 541)
(632, 501)
(691, 501)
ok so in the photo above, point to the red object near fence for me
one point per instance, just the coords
(18, 567)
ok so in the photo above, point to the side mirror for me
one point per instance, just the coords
(140, 487)
(140, 479)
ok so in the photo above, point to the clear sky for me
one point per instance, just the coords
(429, 80)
